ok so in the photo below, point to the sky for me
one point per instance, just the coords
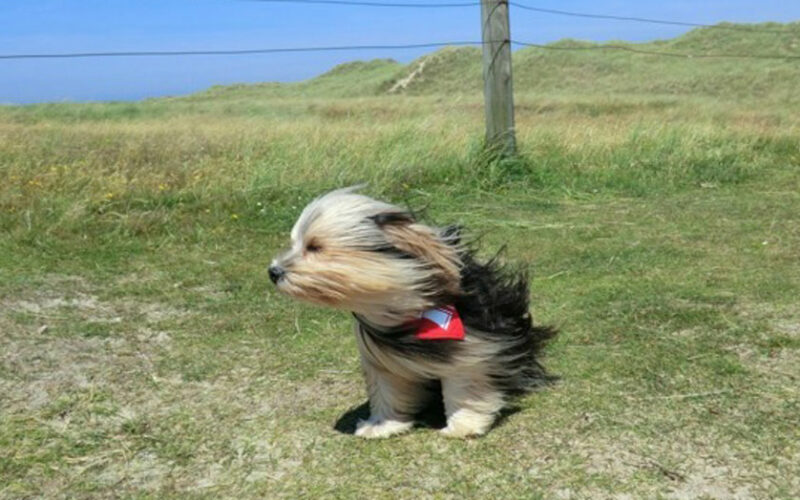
(57, 26)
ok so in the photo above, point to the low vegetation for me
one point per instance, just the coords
(143, 353)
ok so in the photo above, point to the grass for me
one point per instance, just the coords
(144, 354)
(582, 69)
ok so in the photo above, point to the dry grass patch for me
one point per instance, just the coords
(143, 355)
(95, 413)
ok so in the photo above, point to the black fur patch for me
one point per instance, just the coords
(495, 305)
(402, 341)
(391, 250)
(387, 218)
(452, 234)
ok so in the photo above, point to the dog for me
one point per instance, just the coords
(431, 320)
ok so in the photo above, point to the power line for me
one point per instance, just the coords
(626, 48)
(637, 19)
(369, 3)
(159, 53)
(635, 50)
(365, 3)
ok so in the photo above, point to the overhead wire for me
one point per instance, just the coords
(514, 3)
(753, 29)
(273, 50)
(400, 4)
(277, 50)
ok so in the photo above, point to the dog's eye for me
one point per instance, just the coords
(313, 247)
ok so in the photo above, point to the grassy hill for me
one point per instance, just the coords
(568, 70)
(576, 66)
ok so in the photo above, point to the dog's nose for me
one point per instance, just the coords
(276, 273)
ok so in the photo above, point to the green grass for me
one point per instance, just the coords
(599, 72)
(143, 353)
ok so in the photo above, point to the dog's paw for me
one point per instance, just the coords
(460, 432)
(465, 423)
(381, 428)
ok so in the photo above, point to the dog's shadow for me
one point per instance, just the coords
(432, 417)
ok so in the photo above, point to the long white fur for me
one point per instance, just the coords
(385, 292)
(396, 386)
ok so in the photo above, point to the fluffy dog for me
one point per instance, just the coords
(429, 317)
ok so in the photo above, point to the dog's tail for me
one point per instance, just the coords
(495, 304)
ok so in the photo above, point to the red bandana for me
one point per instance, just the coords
(439, 324)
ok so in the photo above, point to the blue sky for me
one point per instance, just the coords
(46, 26)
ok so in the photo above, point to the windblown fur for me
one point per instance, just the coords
(377, 261)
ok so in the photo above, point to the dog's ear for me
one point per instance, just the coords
(392, 218)
(424, 243)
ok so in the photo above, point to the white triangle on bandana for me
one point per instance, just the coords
(441, 317)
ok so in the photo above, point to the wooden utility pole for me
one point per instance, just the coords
(497, 84)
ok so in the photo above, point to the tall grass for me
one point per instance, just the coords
(144, 354)
(74, 167)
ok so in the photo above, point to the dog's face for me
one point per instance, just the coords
(352, 252)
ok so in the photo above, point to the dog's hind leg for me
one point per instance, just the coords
(471, 403)
(393, 401)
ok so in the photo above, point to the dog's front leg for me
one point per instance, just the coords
(393, 401)
(471, 403)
